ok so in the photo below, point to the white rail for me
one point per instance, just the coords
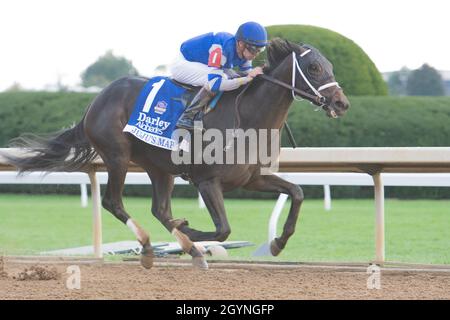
(326, 179)
(373, 161)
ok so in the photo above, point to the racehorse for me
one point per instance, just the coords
(292, 70)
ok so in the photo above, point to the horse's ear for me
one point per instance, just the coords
(303, 47)
(290, 46)
(273, 41)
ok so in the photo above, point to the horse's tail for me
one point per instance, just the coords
(67, 150)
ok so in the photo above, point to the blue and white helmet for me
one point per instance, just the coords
(253, 34)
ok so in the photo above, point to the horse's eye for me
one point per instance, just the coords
(313, 69)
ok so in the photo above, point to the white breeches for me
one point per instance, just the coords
(196, 74)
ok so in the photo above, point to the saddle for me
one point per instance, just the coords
(191, 92)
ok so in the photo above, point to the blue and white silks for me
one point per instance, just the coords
(156, 113)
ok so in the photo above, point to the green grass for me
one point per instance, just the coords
(416, 231)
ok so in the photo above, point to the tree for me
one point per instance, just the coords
(397, 82)
(15, 87)
(106, 69)
(162, 69)
(425, 81)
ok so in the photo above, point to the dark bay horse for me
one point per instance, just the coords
(293, 69)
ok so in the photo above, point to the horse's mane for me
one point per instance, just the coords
(277, 50)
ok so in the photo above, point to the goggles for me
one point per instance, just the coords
(254, 49)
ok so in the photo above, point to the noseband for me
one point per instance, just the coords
(317, 98)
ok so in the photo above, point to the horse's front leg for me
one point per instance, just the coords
(212, 195)
(272, 183)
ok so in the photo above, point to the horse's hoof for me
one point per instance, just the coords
(200, 263)
(147, 257)
(274, 248)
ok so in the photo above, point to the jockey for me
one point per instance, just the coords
(208, 61)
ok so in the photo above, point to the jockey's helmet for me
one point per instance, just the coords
(252, 33)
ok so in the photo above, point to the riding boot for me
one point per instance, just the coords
(196, 106)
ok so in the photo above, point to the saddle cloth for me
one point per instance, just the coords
(156, 111)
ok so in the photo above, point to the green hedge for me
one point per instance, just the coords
(353, 68)
(39, 112)
(370, 122)
(375, 122)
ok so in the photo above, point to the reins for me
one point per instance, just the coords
(303, 94)
(316, 98)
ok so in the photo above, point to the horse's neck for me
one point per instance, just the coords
(269, 104)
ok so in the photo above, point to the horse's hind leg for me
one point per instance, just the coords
(212, 194)
(112, 201)
(162, 184)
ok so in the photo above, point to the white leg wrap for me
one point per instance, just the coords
(135, 229)
(183, 240)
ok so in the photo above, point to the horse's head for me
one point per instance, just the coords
(312, 75)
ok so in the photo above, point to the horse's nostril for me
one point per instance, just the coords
(342, 105)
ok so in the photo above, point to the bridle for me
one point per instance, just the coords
(317, 97)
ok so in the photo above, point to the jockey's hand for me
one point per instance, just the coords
(255, 72)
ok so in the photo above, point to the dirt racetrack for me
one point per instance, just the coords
(224, 280)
